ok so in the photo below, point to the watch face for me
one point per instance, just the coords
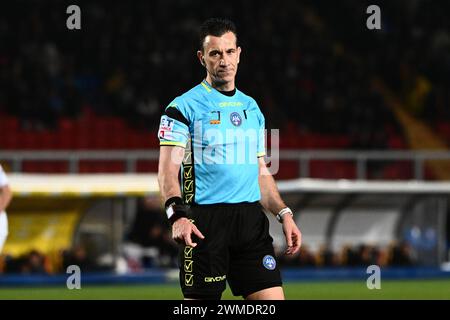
(169, 211)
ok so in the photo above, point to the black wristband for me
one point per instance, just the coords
(175, 209)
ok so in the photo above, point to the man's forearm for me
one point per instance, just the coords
(168, 170)
(270, 196)
(169, 186)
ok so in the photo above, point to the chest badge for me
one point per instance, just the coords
(236, 119)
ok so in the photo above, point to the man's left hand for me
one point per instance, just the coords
(292, 234)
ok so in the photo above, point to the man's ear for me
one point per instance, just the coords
(239, 54)
(201, 58)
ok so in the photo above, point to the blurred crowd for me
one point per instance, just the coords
(36, 262)
(147, 243)
(311, 65)
(363, 255)
(33, 262)
(138, 258)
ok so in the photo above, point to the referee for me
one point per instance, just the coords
(217, 133)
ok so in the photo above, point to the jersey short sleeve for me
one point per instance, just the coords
(261, 146)
(3, 178)
(174, 125)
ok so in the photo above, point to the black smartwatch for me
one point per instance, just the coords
(176, 209)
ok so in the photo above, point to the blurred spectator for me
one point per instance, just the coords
(78, 256)
(152, 230)
(33, 262)
(327, 257)
(306, 258)
(401, 255)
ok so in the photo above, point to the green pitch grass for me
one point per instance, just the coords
(417, 289)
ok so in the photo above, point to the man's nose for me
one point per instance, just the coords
(223, 62)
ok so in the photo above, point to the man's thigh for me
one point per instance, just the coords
(203, 269)
(253, 266)
(274, 293)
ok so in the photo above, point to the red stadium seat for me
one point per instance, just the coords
(45, 166)
(145, 166)
(9, 123)
(87, 166)
(288, 169)
(326, 169)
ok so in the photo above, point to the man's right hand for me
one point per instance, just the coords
(182, 230)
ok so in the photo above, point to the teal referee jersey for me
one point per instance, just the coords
(223, 136)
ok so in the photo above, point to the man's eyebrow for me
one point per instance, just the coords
(215, 51)
(219, 50)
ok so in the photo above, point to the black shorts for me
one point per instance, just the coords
(237, 248)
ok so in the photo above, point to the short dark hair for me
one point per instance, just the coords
(216, 27)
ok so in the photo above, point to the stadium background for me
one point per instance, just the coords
(364, 116)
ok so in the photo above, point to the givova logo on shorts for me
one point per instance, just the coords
(215, 279)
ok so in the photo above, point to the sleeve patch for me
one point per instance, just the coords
(167, 124)
(166, 128)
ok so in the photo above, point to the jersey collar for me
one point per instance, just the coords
(209, 88)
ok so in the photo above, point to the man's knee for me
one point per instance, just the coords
(274, 293)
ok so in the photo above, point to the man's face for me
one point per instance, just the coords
(221, 57)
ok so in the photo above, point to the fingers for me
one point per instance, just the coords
(187, 235)
(297, 243)
(289, 251)
(289, 248)
(293, 240)
(289, 240)
(188, 240)
(197, 232)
